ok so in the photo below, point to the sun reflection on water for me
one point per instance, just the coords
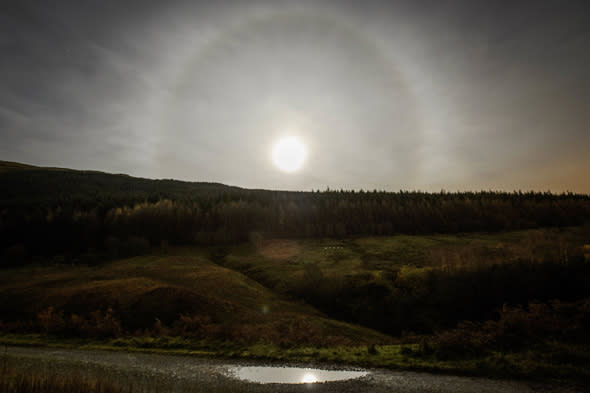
(309, 378)
(295, 375)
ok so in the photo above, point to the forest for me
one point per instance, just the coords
(85, 216)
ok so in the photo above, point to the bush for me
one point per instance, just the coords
(516, 328)
(191, 326)
(94, 324)
(51, 321)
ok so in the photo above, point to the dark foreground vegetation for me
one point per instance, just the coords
(486, 283)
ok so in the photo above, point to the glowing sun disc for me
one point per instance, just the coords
(288, 154)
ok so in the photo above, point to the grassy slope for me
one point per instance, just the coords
(163, 286)
(254, 278)
(280, 264)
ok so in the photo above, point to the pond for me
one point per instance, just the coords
(292, 374)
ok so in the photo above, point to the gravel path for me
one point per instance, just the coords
(164, 373)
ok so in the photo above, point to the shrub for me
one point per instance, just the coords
(191, 325)
(516, 328)
(94, 324)
(51, 321)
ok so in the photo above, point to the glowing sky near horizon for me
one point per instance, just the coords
(460, 95)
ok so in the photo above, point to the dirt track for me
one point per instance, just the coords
(163, 373)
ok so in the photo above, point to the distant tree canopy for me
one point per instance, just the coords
(72, 213)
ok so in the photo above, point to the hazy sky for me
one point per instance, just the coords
(388, 95)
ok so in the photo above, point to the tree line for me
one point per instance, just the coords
(82, 216)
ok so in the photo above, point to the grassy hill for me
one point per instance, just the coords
(261, 299)
(252, 290)
(182, 292)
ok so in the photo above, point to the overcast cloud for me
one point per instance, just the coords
(460, 95)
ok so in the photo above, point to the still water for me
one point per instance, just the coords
(292, 374)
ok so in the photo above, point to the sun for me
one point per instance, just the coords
(288, 154)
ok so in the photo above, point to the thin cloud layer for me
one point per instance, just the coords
(390, 95)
